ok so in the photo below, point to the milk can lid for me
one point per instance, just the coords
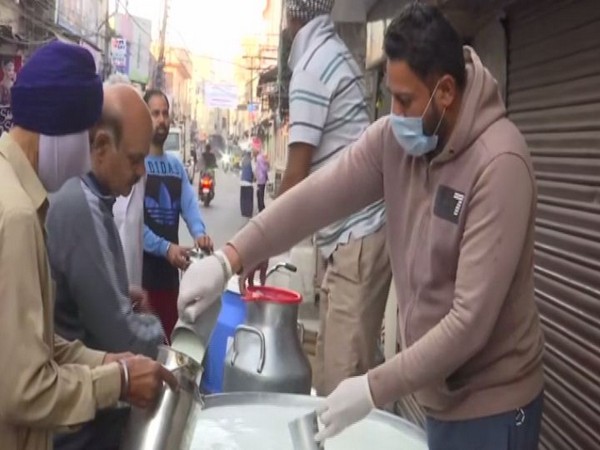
(272, 294)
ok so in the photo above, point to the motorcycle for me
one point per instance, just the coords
(226, 162)
(206, 188)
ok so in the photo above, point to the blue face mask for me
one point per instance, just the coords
(410, 135)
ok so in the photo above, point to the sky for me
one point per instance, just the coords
(208, 27)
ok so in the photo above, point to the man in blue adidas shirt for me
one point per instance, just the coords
(169, 194)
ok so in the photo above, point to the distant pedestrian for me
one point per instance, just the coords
(246, 186)
(262, 176)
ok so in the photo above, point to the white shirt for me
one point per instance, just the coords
(129, 217)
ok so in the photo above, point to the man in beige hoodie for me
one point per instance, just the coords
(460, 196)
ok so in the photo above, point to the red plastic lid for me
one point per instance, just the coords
(272, 294)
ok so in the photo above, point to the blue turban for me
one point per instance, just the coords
(57, 91)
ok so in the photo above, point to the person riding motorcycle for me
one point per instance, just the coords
(209, 161)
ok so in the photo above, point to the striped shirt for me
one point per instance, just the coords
(328, 109)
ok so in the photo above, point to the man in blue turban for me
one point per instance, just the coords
(47, 382)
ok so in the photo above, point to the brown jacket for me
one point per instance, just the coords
(45, 382)
(460, 235)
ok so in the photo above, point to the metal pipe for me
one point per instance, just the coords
(287, 266)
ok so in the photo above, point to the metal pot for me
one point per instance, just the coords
(266, 354)
(163, 427)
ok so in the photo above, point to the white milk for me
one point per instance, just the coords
(265, 427)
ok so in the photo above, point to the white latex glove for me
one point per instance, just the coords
(202, 284)
(350, 402)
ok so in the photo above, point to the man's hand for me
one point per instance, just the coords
(202, 284)
(205, 243)
(251, 275)
(146, 379)
(139, 300)
(114, 357)
(178, 256)
(350, 402)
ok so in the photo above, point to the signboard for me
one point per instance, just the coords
(137, 31)
(221, 95)
(9, 68)
(81, 17)
(118, 52)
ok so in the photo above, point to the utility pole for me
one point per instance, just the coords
(159, 76)
(252, 68)
(107, 43)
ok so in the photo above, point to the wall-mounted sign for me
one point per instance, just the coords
(118, 52)
(9, 68)
(221, 95)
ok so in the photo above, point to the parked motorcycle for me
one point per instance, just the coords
(206, 188)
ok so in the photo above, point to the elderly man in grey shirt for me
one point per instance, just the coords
(93, 298)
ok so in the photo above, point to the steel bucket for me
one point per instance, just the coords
(164, 426)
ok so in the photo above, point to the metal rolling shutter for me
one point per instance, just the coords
(554, 98)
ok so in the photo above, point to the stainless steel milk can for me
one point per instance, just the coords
(266, 354)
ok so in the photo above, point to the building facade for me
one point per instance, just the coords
(135, 34)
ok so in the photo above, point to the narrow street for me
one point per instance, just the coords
(223, 217)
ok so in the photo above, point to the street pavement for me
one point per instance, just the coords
(223, 217)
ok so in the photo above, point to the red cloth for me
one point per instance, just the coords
(164, 304)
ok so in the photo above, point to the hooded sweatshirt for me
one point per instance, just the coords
(461, 237)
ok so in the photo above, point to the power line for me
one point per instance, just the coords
(159, 75)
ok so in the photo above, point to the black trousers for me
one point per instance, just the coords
(513, 430)
(247, 200)
(260, 196)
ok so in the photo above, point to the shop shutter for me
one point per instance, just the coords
(554, 98)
